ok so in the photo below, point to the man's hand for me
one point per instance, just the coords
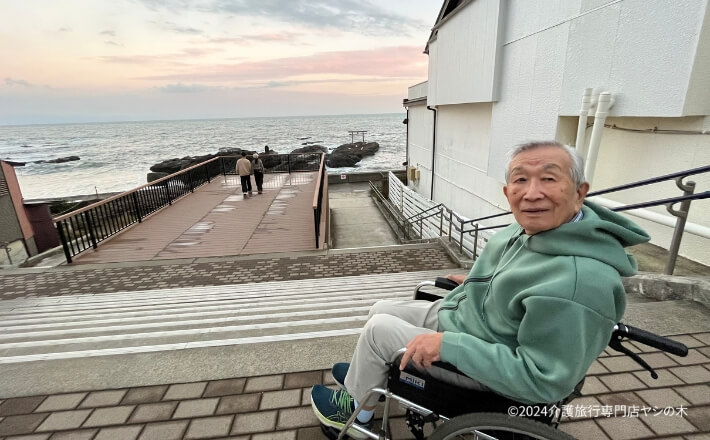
(458, 279)
(423, 350)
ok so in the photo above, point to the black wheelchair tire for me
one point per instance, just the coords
(466, 423)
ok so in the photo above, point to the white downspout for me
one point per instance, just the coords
(582, 124)
(603, 105)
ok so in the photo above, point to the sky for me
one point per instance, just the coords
(128, 60)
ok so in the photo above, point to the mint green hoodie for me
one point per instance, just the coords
(536, 310)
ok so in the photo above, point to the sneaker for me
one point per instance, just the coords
(334, 407)
(250, 193)
(339, 371)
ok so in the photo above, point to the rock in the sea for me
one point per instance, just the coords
(156, 176)
(59, 160)
(15, 164)
(310, 149)
(348, 155)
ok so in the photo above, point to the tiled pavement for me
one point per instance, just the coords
(219, 271)
(621, 402)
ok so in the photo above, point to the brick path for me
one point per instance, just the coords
(107, 278)
(277, 406)
(217, 220)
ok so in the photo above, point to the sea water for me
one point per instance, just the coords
(117, 156)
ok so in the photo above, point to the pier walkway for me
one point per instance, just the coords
(217, 220)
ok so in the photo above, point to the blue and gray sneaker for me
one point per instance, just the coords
(339, 371)
(334, 407)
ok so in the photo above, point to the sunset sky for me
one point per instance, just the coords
(118, 60)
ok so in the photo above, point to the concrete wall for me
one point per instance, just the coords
(652, 55)
(465, 55)
(461, 164)
(421, 132)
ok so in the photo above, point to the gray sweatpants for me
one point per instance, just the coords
(390, 326)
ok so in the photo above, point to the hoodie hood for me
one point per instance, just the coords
(608, 230)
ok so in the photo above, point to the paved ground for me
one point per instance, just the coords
(621, 402)
(218, 271)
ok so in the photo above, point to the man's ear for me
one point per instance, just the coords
(505, 191)
(582, 191)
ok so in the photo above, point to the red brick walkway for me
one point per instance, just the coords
(217, 220)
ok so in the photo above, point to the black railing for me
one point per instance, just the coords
(279, 163)
(85, 228)
(318, 203)
(465, 233)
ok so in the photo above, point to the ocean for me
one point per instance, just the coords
(117, 156)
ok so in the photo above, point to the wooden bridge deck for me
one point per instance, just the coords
(217, 220)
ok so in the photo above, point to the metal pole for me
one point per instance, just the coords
(90, 227)
(682, 215)
(451, 219)
(461, 237)
(136, 207)
(63, 239)
(475, 242)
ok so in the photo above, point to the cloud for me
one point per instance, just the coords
(17, 82)
(112, 43)
(260, 38)
(184, 88)
(173, 27)
(64, 29)
(108, 33)
(359, 16)
(388, 62)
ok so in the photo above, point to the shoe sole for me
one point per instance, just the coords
(353, 433)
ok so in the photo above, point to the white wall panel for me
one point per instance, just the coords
(465, 53)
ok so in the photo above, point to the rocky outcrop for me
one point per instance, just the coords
(348, 155)
(310, 149)
(59, 160)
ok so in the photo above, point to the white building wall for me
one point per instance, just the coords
(462, 149)
(652, 55)
(625, 157)
(421, 124)
(643, 51)
(466, 51)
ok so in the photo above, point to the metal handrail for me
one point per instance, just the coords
(673, 176)
(680, 214)
(318, 197)
(426, 210)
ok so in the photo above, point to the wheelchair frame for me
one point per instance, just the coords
(418, 415)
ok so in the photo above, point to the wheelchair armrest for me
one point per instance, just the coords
(440, 282)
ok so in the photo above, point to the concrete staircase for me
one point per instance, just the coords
(113, 340)
(106, 340)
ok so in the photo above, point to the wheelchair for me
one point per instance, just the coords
(446, 404)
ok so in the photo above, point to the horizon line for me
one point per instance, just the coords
(192, 119)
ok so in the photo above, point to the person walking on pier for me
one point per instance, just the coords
(244, 170)
(258, 167)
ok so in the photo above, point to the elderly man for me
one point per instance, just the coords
(535, 311)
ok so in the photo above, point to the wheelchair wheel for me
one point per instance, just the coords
(495, 426)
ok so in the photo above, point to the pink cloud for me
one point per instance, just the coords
(393, 62)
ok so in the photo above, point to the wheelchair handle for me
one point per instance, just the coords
(445, 283)
(622, 330)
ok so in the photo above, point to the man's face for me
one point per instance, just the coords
(540, 190)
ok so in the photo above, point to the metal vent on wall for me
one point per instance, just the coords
(4, 190)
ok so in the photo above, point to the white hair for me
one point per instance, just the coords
(576, 171)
